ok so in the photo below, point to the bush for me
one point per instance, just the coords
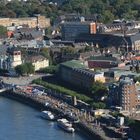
(26, 68)
(63, 90)
(51, 69)
(99, 105)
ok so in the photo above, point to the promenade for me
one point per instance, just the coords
(46, 99)
(86, 120)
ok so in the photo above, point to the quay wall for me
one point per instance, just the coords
(41, 106)
(29, 101)
(88, 132)
(22, 99)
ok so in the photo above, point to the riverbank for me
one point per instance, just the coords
(39, 103)
(36, 104)
(22, 122)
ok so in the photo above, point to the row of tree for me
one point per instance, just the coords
(104, 10)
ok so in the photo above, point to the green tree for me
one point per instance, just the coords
(98, 105)
(88, 48)
(24, 69)
(20, 70)
(51, 69)
(3, 30)
(107, 16)
(98, 90)
(67, 50)
(30, 68)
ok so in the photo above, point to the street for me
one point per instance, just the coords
(26, 80)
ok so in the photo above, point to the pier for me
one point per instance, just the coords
(60, 108)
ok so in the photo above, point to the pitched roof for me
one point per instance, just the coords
(34, 58)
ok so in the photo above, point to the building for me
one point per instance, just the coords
(113, 93)
(3, 62)
(70, 30)
(31, 22)
(38, 62)
(76, 73)
(3, 57)
(28, 34)
(14, 57)
(128, 95)
(104, 62)
(130, 41)
(73, 17)
(125, 94)
(115, 74)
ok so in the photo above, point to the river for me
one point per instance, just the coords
(21, 122)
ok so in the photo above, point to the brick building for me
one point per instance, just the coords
(104, 62)
(125, 94)
(128, 94)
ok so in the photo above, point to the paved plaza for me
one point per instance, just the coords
(21, 80)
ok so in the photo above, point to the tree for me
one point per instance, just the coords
(67, 50)
(3, 30)
(107, 10)
(24, 69)
(107, 16)
(20, 70)
(51, 69)
(98, 105)
(98, 90)
(88, 48)
(30, 68)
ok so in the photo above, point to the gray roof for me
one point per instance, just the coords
(126, 80)
(28, 33)
(86, 72)
(106, 39)
(32, 58)
(3, 49)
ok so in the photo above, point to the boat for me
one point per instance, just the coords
(66, 125)
(47, 115)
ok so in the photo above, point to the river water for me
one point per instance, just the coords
(21, 122)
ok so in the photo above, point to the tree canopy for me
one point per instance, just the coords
(98, 90)
(105, 10)
(3, 30)
(23, 69)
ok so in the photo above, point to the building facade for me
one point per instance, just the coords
(4, 62)
(78, 75)
(128, 95)
(70, 30)
(125, 94)
(32, 22)
(38, 62)
(14, 58)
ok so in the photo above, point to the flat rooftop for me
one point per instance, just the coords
(74, 64)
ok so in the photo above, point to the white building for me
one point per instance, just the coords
(38, 62)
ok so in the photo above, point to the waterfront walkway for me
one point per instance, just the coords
(85, 118)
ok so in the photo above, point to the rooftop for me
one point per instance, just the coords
(34, 58)
(103, 58)
(74, 64)
(126, 80)
(77, 23)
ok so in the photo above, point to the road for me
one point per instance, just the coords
(26, 80)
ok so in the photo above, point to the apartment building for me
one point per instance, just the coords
(125, 94)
